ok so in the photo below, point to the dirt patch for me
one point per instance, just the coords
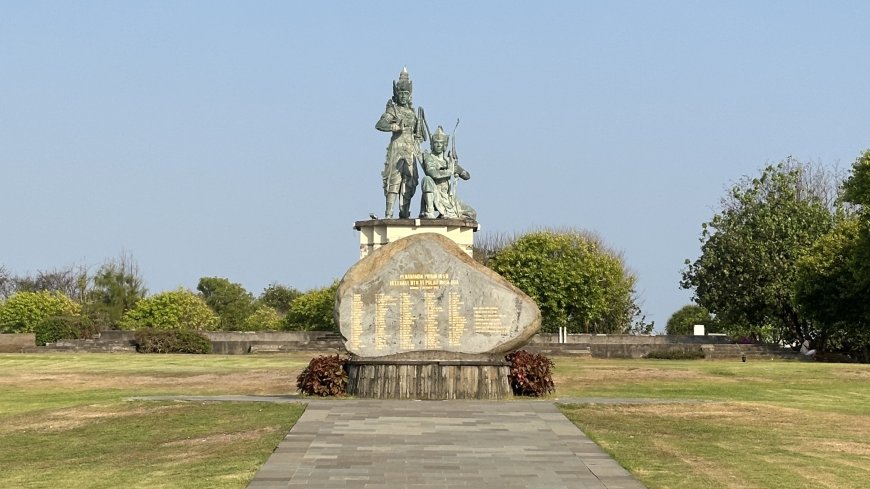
(71, 418)
(854, 374)
(711, 470)
(785, 419)
(850, 448)
(253, 382)
(220, 438)
(631, 375)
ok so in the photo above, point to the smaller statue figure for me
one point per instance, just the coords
(400, 174)
(439, 184)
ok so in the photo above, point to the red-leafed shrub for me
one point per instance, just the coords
(530, 374)
(324, 376)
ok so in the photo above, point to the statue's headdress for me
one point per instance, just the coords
(403, 84)
(440, 135)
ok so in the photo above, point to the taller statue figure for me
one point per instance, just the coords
(400, 174)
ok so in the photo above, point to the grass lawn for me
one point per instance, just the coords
(65, 421)
(762, 424)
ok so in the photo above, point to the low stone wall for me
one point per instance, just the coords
(631, 346)
(578, 345)
(16, 342)
(242, 342)
(626, 339)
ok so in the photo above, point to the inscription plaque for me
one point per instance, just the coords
(423, 293)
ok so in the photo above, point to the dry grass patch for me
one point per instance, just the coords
(250, 382)
(75, 417)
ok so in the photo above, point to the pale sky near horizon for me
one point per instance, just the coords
(236, 139)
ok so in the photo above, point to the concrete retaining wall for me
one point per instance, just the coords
(15, 342)
(625, 339)
(246, 342)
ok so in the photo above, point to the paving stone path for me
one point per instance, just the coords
(371, 444)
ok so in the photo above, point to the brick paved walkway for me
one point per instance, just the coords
(370, 444)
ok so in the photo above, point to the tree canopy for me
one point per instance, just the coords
(24, 310)
(749, 251)
(313, 310)
(832, 283)
(576, 281)
(117, 286)
(230, 301)
(176, 309)
(683, 321)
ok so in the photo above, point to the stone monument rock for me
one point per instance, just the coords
(424, 320)
(423, 293)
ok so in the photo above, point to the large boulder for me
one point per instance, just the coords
(423, 294)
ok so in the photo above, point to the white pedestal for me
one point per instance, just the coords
(375, 233)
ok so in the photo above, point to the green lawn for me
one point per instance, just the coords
(65, 420)
(756, 424)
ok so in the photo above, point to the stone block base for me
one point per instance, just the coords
(428, 379)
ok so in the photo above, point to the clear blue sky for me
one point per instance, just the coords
(237, 139)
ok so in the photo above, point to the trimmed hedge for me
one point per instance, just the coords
(150, 340)
(531, 374)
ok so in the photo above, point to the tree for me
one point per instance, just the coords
(177, 309)
(117, 287)
(832, 284)
(264, 318)
(749, 252)
(232, 303)
(7, 283)
(313, 311)
(856, 189)
(683, 321)
(279, 297)
(24, 310)
(70, 281)
(576, 281)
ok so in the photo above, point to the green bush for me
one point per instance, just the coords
(150, 340)
(574, 278)
(324, 376)
(24, 310)
(264, 318)
(530, 374)
(177, 309)
(676, 354)
(54, 328)
(313, 311)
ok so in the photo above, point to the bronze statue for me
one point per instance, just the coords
(439, 184)
(400, 174)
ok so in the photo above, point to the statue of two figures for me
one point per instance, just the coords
(440, 167)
